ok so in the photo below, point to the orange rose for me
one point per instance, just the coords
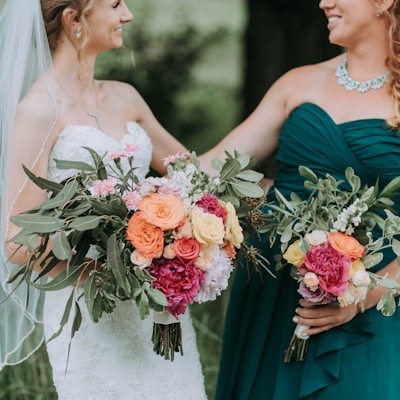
(147, 239)
(346, 244)
(165, 211)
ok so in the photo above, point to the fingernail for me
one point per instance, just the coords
(296, 310)
(295, 320)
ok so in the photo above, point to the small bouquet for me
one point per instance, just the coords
(327, 241)
(162, 242)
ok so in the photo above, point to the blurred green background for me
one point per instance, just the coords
(202, 66)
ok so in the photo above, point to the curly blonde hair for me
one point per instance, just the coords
(393, 60)
(52, 15)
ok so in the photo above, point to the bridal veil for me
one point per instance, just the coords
(24, 59)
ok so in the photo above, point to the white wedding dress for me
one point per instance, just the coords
(113, 359)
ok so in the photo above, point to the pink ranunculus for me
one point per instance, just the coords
(180, 282)
(186, 249)
(330, 266)
(210, 204)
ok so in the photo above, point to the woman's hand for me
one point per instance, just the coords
(322, 317)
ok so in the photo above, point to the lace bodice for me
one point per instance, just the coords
(114, 359)
(72, 140)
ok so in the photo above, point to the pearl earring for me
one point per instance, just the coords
(78, 33)
(378, 13)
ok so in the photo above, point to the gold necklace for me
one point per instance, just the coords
(96, 114)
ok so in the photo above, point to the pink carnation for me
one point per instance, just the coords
(331, 267)
(132, 200)
(210, 204)
(131, 149)
(116, 155)
(102, 188)
(180, 282)
(176, 157)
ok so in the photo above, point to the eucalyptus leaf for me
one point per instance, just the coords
(76, 165)
(42, 183)
(38, 223)
(61, 248)
(246, 189)
(143, 305)
(157, 296)
(65, 316)
(117, 267)
(65, 278)
(90, 291)
(85, 223)
(308, 173)
(230, 169)
(392, 188)
(387, 304)
(250, 176)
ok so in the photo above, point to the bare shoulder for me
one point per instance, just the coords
(303, 84)
(37, 108)
(120, 90)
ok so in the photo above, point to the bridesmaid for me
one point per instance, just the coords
(327, 117)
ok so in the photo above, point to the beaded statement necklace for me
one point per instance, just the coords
(349, 84)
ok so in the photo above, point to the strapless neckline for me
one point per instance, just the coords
(338, 124)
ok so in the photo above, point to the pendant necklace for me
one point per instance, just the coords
(96, 114)
(349, 84)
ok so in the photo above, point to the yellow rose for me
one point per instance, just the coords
(207, 228)
(293, 254)
(356, 265)
(234, 232)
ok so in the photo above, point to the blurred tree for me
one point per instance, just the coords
(280, 35)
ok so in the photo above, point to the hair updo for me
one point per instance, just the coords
(52, 15)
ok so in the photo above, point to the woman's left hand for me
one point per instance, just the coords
(322, 317)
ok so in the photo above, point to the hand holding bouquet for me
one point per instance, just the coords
(328, 243)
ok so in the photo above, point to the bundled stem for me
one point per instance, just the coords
(167, 340)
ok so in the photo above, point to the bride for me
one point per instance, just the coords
(54, 106)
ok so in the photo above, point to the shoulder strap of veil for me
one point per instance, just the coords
(24, 57)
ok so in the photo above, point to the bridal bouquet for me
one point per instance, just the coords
(327, 241)
(161, 242)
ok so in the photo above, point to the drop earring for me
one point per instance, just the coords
(378, 13)
(78, 33)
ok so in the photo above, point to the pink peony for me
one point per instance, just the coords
(180, 282)
(330, 266)
(210, 204)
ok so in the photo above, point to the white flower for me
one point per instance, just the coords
(361, 278)
(215, 278)
(316, 238)
(140, 261)
(311, 281)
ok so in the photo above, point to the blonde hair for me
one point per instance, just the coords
(393, 60)
(52, 15)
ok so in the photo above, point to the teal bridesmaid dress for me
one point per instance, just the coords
(359, 360)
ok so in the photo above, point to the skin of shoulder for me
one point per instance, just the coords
(259, 133)
(126, 101)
